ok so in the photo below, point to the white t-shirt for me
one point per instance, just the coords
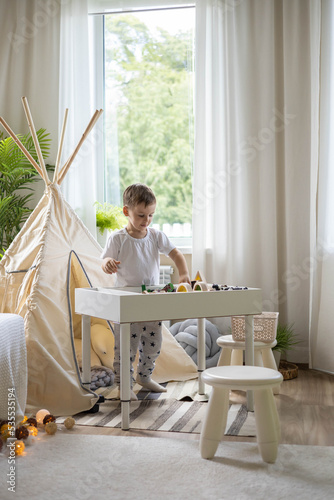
(139, 257)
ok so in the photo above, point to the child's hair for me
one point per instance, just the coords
(138, 193)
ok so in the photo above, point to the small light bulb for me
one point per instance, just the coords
(33, 431)
(19, 447)
(41, 414)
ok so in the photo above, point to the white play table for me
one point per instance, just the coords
(129, 305)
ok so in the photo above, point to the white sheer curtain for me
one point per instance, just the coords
(29, 55)
(44, 53)
(322, 320)
(256, 144)
(81, 186)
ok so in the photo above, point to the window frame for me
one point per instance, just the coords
(97, 10)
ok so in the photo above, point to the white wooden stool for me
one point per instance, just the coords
(232, 353)
(259, 379)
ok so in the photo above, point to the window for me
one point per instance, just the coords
(148, 111)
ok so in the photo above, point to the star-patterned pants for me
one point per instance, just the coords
(148, 338)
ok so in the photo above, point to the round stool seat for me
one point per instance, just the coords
(227, 341)
(242, 377)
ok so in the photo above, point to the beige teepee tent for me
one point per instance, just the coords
(53, 254)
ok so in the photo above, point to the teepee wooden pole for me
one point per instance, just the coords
(60, 148)
(20, 145)
(69, 162)
(35, 139)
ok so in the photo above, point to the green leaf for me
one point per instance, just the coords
(286, 338)
(17, 173)
(109, 217)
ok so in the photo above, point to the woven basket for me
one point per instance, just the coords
(288, 370)
(265, 327)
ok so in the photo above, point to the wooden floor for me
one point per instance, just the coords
(305, 406)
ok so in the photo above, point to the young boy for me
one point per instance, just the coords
(133, 254)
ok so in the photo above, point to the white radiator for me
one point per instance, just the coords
(165, 278)
(165, 275)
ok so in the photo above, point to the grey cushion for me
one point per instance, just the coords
(185, 332)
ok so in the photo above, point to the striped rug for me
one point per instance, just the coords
(180, 409)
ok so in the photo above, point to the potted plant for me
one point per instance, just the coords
(108, 218)
(286, 341)
(16, 174)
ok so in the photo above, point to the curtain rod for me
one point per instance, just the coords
(133, 11)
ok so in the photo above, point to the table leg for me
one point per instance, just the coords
(249, 354)
(85, 334)
(201, 353)
(125, 388)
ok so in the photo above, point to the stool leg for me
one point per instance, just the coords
(269, 362)
(258, 361)
(267, 424)
(268, 359)
(214, 423)
(237, 357)
(225, 357)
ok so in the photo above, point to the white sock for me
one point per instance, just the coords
(150, 384)
(133, 396)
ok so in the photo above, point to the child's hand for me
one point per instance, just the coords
(110, 265)
(184, 278)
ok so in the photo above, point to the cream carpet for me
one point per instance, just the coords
(69, 466)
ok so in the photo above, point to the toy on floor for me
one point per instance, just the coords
(101, 377)
(102, 356)
(102, 340)
(185, 332)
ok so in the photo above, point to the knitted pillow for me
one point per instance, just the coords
(185, 332)
(101, 376)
